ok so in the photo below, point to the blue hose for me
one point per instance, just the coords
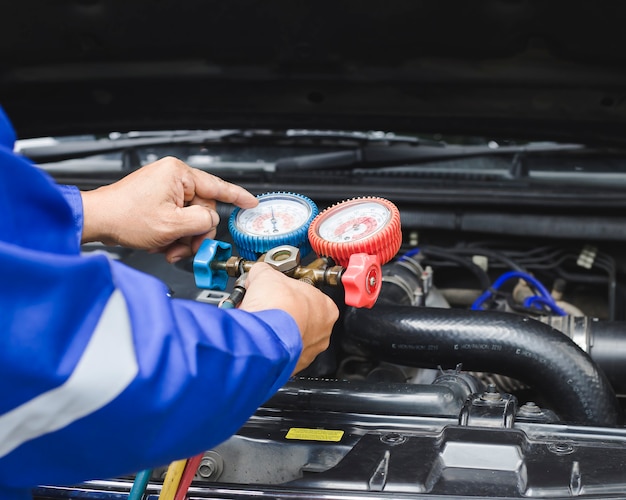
(140, 484)
(536, 300)
(409, 254)
(544, 295)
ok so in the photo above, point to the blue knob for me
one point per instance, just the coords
(205, 275)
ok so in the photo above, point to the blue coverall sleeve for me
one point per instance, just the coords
(75, 202)
(142, 380)
(102, 373)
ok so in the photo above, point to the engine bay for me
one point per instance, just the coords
(490, 365)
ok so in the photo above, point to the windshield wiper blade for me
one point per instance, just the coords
(69, 150)
(376, 156)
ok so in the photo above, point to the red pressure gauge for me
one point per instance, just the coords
(362, 225)
(359, 234)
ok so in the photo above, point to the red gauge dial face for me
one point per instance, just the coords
(361, 225)
(354, 222)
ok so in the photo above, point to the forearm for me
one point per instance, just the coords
(91, 216)
(98, 218)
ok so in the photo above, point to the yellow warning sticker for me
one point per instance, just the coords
(303, 434)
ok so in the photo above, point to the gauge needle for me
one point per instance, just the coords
(273, 220)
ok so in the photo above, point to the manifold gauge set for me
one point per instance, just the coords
(351, 240)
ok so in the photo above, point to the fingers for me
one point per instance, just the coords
(177, 251)
(257, 271)
(198, 223)
(166, 205)
(197, 219)
(201, 190)
(210, 187)
(313, 311)
(185, 247)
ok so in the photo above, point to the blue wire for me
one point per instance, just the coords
(140, 484)
(544, 294)
(537, 300)
(477, 305)
(409, 254)
(544, 298)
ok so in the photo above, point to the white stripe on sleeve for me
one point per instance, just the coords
(107, 367)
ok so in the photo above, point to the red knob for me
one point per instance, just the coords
(362, 280)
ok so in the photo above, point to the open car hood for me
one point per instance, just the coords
(529, 68)
(466, 378)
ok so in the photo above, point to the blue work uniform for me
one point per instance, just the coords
(101, 373)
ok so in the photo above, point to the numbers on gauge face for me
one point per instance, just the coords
(274, 216)
(354, 222)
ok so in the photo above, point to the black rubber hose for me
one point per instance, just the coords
(502, 343)
(608, 351)
(444, 397)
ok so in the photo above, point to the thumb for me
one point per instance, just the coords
(196, 219)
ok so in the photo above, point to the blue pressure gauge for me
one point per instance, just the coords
(278, 219)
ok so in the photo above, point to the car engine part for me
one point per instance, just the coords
(481, 366)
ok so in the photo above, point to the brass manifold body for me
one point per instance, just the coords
(286, 259)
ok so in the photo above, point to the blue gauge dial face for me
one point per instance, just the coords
(275, 215)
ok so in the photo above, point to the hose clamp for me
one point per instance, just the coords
(579, 332)
(403, 285)
(575, 327)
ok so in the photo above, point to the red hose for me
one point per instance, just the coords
(191, 468)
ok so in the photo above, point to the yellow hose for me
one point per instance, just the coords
(172, 478)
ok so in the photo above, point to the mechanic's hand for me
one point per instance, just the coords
(166, 206)
(314, 312)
